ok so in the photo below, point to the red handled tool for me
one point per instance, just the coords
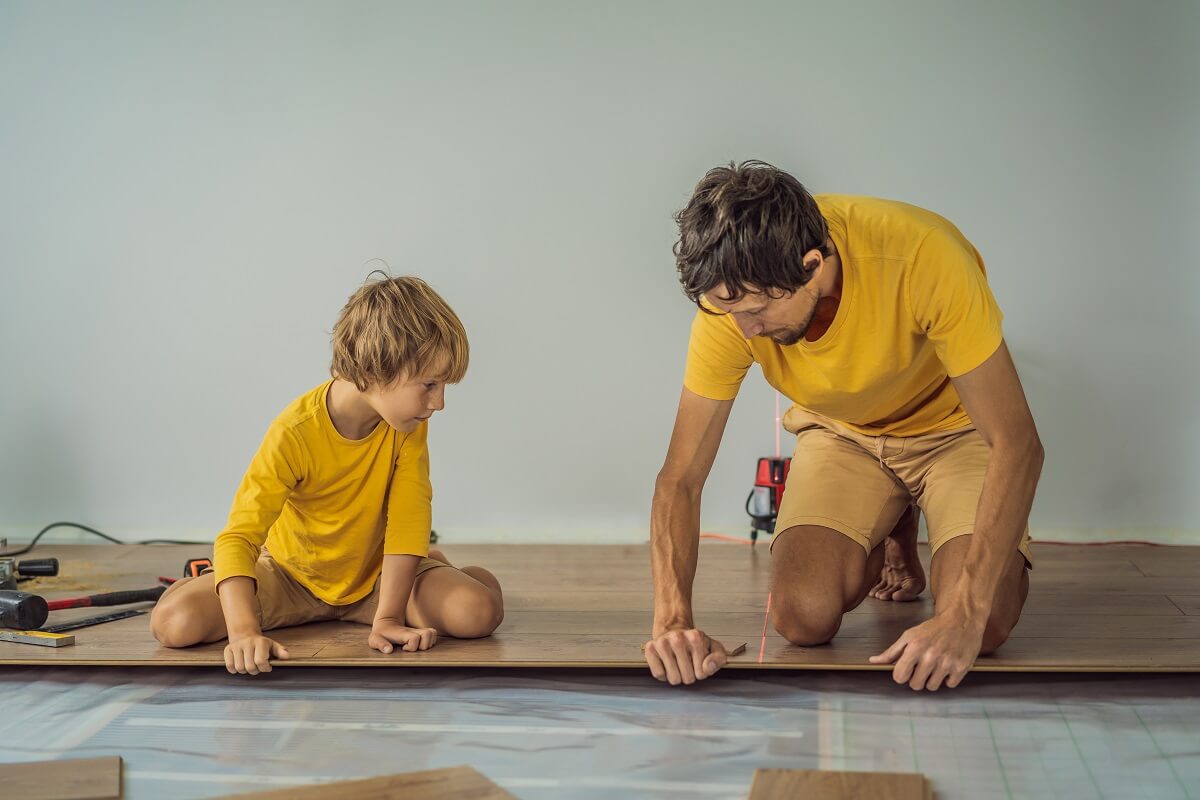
(108, 599)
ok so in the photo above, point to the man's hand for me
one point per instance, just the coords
(386, 632)
(684, 656)
(940, 649)
(251, 654)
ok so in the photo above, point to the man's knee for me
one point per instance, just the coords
(1006, 613)
(807, 621)
(995, 634)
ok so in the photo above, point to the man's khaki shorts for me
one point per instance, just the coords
(859, 485)
(283, 601)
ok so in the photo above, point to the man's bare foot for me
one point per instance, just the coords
(438, 555)
(902, 579)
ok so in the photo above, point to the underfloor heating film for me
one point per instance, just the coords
(188, 733)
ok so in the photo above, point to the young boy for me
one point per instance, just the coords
(332, 518)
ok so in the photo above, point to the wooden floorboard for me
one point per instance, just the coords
(1187, 604)
(1090, 609)
(784, 784)
(459, 783)
(65, 779)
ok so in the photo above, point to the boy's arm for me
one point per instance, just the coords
(410, 499)
(405, 543)
(273, 474)
(395, 587)
(237, 605)
(248, 651)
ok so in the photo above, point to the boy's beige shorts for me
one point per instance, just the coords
(859, 485)
(283, 601)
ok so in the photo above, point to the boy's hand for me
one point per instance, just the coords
(386, 632)
(252, 654)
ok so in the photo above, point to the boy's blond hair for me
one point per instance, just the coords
(398, 327)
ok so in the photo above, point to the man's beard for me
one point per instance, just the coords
(792, 335)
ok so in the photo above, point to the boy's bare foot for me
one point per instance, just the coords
(902, 578)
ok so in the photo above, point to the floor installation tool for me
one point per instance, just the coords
(41, 638)
(763, 503)
(109, 599)
(22, 610)
(12, 571)
(25, 610)
(194, 567)
(88, 622)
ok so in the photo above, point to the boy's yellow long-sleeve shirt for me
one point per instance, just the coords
(329, 508)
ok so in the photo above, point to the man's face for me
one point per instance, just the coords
(783, 319)
(409, 401)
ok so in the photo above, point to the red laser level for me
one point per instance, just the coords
(763, 503)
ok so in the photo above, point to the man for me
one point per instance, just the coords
(875, 318)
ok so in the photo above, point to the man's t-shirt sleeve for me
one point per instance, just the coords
(718, 357)
(951, 301)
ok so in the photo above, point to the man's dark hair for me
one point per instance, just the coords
(747, 228)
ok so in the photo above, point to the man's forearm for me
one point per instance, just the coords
(1008, 489)
(395, 586)
(674, 546)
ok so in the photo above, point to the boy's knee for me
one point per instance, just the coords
(474, 613)
(807, 622)
(483, 576)
(172, 626)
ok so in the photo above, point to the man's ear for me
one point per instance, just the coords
(812, 260)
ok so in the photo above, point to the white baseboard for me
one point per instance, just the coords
(17, 535)
(1176, 536)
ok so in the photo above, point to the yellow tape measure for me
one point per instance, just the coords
(37, 637)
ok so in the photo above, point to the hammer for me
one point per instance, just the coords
(25, 611)
(22, 610)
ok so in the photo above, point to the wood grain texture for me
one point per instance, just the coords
(459, 783)
(1090, 609)
(1186, 603)
(786, 784)
(70, 779)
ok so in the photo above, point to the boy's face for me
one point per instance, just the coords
(409, 401)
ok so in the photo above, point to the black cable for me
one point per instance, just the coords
(22, 551)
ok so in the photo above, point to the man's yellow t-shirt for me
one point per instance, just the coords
(328, 508)
(915, 311)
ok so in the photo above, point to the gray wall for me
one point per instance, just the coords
(190, 192)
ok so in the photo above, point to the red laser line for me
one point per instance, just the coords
(777, 424)
(722, 537)
(762, 648)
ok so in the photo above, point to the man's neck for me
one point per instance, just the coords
(827, 306)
